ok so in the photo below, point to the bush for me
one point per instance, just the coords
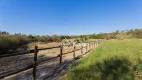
(12, 42)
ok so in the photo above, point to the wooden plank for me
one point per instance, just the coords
(74, 52)
(71, 51)
(16, 54)
(61, 51)
(89, 46)
(25, 52)
(49, 48)
(81, 49)
(35, 63)
(86, 48)
(77, 49)
(68, 52)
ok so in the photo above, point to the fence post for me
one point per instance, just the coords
(81, 49)
(86, 48)
(61, 51)
(89, 46)
(35, 62)
(94, 44)
(74, 52)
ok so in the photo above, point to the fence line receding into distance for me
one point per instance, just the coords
(35, 53)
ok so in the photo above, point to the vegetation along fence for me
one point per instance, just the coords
(36, 50)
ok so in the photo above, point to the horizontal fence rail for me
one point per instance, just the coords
(35, 52)
(18, 53)
(49, 48)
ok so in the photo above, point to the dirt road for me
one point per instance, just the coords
(47, 70)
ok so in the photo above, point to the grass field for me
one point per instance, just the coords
(113, 60)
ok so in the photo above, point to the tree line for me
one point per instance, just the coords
(124, 34)
(10, 42)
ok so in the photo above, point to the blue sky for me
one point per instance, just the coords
(69, 17)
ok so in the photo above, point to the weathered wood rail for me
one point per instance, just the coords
(35, 53)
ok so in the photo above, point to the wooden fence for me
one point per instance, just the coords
(35, 52)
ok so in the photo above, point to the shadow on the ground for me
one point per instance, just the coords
(16, 63)
(114, 69)
(46, 69)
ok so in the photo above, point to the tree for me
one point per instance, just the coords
(32, 38)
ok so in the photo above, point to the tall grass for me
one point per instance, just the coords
(113, 60)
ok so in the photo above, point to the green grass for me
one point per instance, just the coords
(113, 60)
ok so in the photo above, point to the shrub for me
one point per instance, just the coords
(11, 42)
